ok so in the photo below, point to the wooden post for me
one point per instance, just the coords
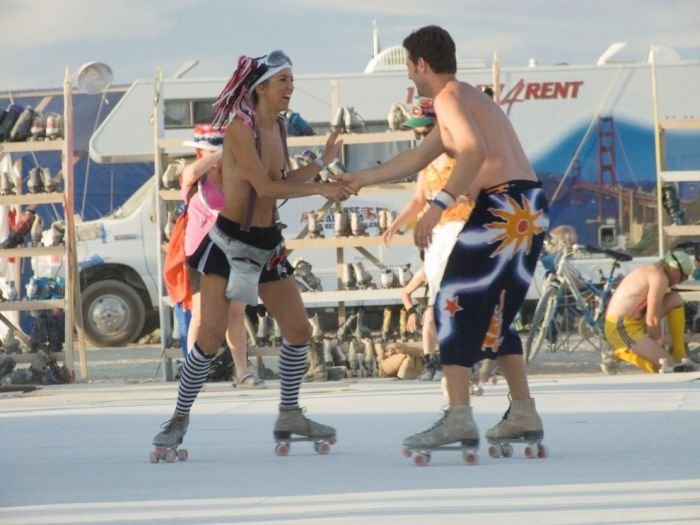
(74, 317)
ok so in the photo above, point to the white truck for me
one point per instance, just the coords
(117, 259)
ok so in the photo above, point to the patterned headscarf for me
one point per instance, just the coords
(234, 100)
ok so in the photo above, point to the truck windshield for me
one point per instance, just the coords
(133, 202)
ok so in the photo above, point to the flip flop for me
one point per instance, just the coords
(249, 381)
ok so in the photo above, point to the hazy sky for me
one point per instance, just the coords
(39, 38)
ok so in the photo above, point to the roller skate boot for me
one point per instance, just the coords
(336, 167)
(405, 275)
(381, 221)
(429, 367)
(370, 361)
(339, 357)
(609, 365)
(167, 441)
(520, 424)
(455, 430)
(38, 129)
(388, 278)
(54, 125)
(386, 324)
(357, 226)
(292, 425)
(344, 332)
(669, 366)
(318, 371)
(348, 277)
(487, 372)
(475, 389)
(314, 227)
(171, 175)
(353, 122)
(6, 184)
(341, 224)
(23, 226)
(363, 279)
(309, 281)
(353, 358)
(35, 183)
(20, 131)
(37, 231)
(49, 182)
(276, 333)
(8, 122)
(337, 120)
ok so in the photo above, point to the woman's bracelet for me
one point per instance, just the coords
(410, 311)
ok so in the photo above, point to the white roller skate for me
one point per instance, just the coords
(520, 424)
(167, 441)
(455, 430)
(292, 425)
(669, 366)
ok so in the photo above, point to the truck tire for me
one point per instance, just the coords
(113, 313)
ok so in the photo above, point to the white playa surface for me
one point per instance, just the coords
(622, 451)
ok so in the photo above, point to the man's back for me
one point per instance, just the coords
(630, 297)
(491, 137)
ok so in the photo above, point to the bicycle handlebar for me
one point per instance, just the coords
(618, 256)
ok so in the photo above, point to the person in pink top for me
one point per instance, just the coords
(201, 185)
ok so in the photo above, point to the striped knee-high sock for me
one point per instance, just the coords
(292, 364)
(193, 376)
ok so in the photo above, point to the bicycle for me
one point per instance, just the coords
(567, 298)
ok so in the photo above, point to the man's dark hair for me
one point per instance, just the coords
(434, 45)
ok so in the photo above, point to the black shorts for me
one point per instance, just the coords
(208, 257)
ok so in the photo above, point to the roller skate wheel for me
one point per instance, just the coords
(332, 441)
(477, 391)
(282, 449)
(494, 451)
(421, 459)
(170, 455)
(470, 457)
(160, 452)
(535, 450)
(322, 447)
(182, 454)
(407, 452)
(493, 380)
(153, 457)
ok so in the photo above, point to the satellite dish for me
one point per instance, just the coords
(94, 77)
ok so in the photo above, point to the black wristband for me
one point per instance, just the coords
(411, 310)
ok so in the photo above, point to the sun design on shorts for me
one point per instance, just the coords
(518, 226)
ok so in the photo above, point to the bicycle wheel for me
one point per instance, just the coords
(541, 322)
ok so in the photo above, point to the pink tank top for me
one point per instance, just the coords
(202, 211)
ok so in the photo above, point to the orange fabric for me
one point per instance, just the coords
(434, 180)
(175, 272)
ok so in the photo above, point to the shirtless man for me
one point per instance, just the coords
(491, 265)
(243, 256)
(640, 302)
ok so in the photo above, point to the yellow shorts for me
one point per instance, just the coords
(622, 333)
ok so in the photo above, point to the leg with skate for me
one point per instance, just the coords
(455, 430)
(168, 440)
(520, 424)
(292, 425)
